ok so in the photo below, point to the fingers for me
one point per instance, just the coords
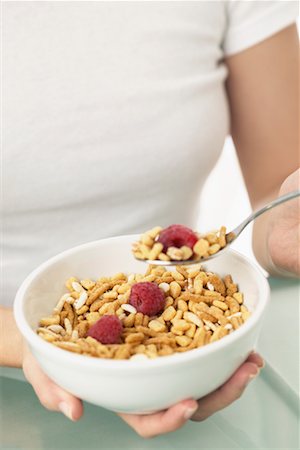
(50, 395)
(170, 420)
(256, 359)
(231, 390)
(57, 399)
(162, 422)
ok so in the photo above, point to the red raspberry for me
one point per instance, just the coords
(147, 298)
(177, 236)
(107, 330)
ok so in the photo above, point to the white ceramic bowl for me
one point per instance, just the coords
(135, 386)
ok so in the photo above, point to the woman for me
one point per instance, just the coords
(115, 114)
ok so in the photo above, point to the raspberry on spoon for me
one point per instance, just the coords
(177, 236)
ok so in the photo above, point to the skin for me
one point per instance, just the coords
(264, 107)
(264, 125)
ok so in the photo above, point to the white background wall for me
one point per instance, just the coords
(224, 200)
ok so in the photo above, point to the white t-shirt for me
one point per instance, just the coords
(114, 113)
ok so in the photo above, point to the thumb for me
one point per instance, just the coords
(50, 394)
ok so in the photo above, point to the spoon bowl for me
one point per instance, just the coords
(230, 237)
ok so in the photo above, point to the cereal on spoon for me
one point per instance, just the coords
(178, 243)
(140, 316)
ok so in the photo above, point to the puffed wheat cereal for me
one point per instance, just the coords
(200, 308)
(149, 248)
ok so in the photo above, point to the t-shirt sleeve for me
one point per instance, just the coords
(250, 22)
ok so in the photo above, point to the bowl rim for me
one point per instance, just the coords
(52, 351)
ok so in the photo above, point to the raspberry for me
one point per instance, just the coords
(147, 298)
(177, 236)
(107, 330)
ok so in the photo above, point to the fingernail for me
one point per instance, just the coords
(189, 412)
(261, 360)
(262, 364)
(66, 410)
(253, 375)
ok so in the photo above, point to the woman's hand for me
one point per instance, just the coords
(55, 398)
(50, 395)
(284, 230)
(176, 416)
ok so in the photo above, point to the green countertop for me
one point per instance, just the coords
(266, 417)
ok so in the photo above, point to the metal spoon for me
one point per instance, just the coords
(230, 237)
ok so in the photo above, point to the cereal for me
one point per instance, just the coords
(128, 308)
(179, 243)
(81, 300)
(157, 326)
(182, 305)
(183, 341)
(71, 346)
(191, 331)
(169, 313)
(198, 285)
(134, 338)
(97, 292)
(238, 296)
(231, 288)
(77, 287)
(53, 320)
(175, 254)
(233, 304)
(87, 284)
(193, 318)
(180, 325)
(68, 326)
(201, 247)
(69, 283)
(155, 251)
(218, 334)
(56, 329)
(199, 337)
(83, 327)
(210, 286)
(61, 303)
(82, 310)
(221, 305)
(175, 289)
(75, 335)
(200, 308)
(164, 286)
(129, 320)
(214, 249)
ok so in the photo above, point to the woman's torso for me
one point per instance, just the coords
(114, 115)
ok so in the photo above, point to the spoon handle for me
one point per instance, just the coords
(278, 201)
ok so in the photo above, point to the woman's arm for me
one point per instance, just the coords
(11, 342)
(262, 88)
(14, 353)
